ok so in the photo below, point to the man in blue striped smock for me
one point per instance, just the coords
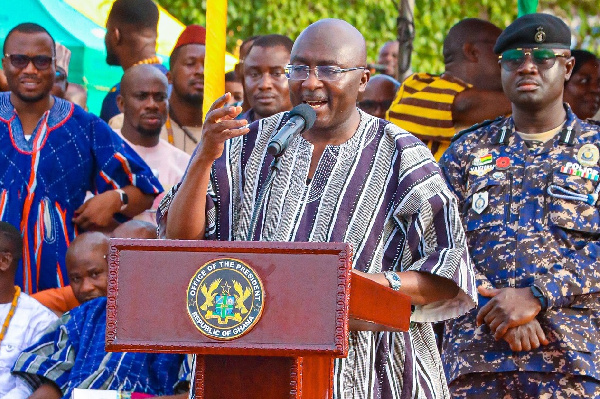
(350, 178)
(71, 352)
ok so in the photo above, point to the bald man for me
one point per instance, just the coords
(378, 95)
(87, 266)
(388, 56)
(350, 178)
(435, 107)
(61, 300)
(77, 94)
(143, 102)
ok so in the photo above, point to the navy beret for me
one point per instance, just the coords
(534, 30)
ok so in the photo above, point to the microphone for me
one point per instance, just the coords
(302, 117)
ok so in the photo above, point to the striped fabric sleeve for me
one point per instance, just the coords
(165, 203)
(51, 358)
(118, 164)
(192, 394)
(435, 239)
(163, 210)
(185, 375)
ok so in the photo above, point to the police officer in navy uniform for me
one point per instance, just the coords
(528, 189)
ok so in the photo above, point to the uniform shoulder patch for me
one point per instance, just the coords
(474, 127)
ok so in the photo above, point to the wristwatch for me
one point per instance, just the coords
(124, 199)
(539, 295)
(393, 279)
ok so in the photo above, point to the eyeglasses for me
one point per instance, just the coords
(21, 61)
(370, 105)
(328, 73)
(60, 76)
(543, 58)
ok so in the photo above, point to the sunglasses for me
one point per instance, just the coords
(543, 58)
(20, 61)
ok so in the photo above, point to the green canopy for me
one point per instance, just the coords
(83, 37)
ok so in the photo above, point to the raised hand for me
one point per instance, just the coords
(219, 126)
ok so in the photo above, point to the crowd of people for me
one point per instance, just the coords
(474, 192)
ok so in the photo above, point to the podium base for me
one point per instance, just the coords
(260, 377)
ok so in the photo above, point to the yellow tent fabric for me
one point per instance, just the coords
(169, 27)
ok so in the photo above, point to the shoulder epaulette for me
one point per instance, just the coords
(474, 127)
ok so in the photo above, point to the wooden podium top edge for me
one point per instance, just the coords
(230, 246)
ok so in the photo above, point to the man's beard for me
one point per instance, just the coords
(194, 99)
(31, 99)
(112, 59)
(148, 132)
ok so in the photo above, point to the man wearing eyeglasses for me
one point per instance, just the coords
(51, 153)
(528, 189)
(265, 84)
(350, 178)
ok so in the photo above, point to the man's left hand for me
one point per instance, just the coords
(97, 212)
(509, 307)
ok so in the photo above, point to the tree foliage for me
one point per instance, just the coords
(376, 19)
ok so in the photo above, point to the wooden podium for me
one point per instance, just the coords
(311, 301)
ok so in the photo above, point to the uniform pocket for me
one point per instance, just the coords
(573, 214)
(492, 191)
(572, 328)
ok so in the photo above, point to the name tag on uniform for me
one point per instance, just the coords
(480, 201)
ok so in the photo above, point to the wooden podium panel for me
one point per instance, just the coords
(311, 301)
(304, 286)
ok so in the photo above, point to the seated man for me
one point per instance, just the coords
(71, 353)
(25, 319)
(61, 300)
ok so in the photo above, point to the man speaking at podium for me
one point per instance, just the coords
(349, 178)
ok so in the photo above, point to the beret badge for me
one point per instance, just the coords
(540, 35)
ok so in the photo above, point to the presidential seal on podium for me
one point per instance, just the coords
(225, 299)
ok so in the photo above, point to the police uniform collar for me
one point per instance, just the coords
(571, 128)
(567, 135)
(505, 130)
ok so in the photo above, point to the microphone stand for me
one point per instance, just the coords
(261, 197)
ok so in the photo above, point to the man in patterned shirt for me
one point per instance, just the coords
(350, 178)
(528, 189)
(71, 352)
(51, 154)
